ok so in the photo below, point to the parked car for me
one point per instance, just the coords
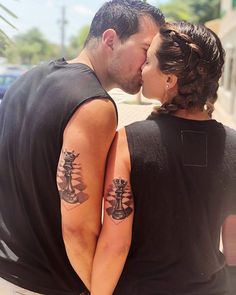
(6, 80)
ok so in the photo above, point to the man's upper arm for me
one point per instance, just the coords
(80, 174)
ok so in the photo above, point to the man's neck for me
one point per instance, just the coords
(95, 63)
(82, 58)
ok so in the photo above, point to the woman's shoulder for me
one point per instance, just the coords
(142, 126)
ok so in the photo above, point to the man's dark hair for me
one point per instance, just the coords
(123, 17)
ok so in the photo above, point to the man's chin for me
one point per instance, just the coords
(131, 90)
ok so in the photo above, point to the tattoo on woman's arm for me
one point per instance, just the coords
(70, 180)
(120, 200)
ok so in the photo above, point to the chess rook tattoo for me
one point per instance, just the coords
(120, 200)
(70, 181)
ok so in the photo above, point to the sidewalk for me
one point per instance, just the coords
(129, 112)
(222, 116)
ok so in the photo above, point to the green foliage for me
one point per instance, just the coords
(4, 43)
(191, 10)
(3, 8)
(77, 41)
(28, 48)
(205, 10)
(31, 48)
(4, 39)
(176, 10)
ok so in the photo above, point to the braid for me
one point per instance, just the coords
(195, 55)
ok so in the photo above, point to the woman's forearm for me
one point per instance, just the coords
(107, 267)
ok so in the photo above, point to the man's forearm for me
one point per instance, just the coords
(80, 250)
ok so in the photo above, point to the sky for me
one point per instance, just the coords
(46, 15)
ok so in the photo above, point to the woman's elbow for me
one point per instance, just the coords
(117, 248)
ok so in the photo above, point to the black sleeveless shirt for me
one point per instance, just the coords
(183, 178)
(33, 116)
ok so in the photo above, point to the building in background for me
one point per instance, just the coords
(227, 33)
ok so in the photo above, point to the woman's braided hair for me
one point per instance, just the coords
(195, 55)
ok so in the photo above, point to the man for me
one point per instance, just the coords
(56, 126)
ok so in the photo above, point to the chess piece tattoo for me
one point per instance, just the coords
(120, 200)
(70, 181)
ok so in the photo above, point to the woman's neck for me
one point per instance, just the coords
(193, 114)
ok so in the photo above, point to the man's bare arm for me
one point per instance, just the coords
(80, 178)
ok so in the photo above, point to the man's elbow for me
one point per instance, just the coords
(83, 235)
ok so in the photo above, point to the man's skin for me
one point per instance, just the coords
(92, 130)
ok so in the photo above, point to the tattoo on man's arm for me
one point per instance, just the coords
(120, 200)
(70, 181)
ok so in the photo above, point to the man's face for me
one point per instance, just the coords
(128, 57)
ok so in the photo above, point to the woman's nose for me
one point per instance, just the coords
(143, 65)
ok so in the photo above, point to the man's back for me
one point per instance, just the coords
(33, 116)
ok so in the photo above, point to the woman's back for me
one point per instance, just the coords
(183, 190)
(171, 180)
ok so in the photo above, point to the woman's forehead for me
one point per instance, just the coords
(156, 40)
(155, 44)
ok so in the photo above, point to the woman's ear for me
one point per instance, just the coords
(171, 81)
(108, 38)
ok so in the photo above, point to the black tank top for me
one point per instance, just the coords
(33, 116)
(183, 177)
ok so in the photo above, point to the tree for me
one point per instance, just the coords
(31, 48)
(4, 39)
(176, 10)
(205, 10)
(10, 13)
(4, 43)
(191, 10)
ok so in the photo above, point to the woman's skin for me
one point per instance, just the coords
(115, 238)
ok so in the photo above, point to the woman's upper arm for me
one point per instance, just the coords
(229, 239)
(118, 197)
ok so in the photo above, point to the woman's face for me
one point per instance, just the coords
(154, 81)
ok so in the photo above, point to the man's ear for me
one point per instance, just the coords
(108, 38)
(171, 81)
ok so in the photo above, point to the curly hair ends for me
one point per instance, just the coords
(195, 55)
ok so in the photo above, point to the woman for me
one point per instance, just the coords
(171, 179)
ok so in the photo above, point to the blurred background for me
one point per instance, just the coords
(33, 31)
